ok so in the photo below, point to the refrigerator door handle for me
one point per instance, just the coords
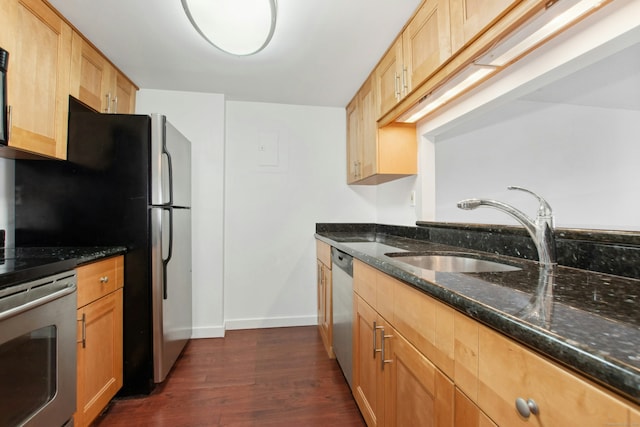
(165, 151)
(165, 261)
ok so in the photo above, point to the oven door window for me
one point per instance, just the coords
(28, 363)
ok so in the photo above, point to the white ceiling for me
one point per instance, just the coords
(321, 51)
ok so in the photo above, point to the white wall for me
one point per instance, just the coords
(200, 117)
(582, 160)
(272, 203)
(394, 202)
(7, 199)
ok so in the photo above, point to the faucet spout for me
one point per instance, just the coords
(540, 229)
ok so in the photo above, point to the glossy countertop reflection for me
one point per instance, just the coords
(23, 264)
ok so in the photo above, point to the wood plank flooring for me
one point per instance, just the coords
(259, 377)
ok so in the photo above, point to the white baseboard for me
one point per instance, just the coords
(208, 332)
(272, 322)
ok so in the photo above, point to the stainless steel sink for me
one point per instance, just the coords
(451, 263)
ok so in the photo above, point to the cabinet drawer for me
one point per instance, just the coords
(99, 278)
(427, 324)
(508, 371)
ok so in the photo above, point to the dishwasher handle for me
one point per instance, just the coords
(343, 260)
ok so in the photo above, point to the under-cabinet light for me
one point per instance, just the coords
(556, 17)
(445, 93)
(238, 27)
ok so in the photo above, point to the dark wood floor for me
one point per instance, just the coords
(261, 377)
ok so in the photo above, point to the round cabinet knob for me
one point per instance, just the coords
(527, 407)
(104, 279)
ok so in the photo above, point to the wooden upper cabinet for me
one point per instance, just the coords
(423, 46)
(39, 46)
(376, 155)
(426, 43)
(354, 141)
(388, 78)
(92, 75)
(96, 82)
(362, 152)
(469, 18)
(125, 102)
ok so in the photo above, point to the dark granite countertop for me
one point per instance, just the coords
(19, 265)
(588, 321)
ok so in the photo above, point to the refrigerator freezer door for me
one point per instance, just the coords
(171, 289)
(170, 164)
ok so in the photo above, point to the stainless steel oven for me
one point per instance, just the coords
(38, 352)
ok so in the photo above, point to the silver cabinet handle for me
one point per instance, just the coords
(382, 358)
(108, 109)
(115, 104)
(527, 407)
(104, 279)
(397, 85)
(375, 332)
(84, 330)
(9, 122)
(405, 80)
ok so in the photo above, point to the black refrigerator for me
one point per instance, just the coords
(127, 182)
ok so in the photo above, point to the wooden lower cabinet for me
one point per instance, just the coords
(325, 296)
(393, 383)
(467, 413)
(508, 371)
(438, 367)
(417, 393)
(99, 348)
(634, 417)
(367, 380)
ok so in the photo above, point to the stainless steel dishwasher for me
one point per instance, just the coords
(342, 277)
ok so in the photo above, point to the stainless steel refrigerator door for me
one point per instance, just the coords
(170, 164)
(171, 278)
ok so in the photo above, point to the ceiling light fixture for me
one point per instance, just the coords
(238, 27)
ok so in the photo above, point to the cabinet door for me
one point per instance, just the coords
(367, 380)
(467, 414)
(354, 142)
(325, 319)
(388, 76)
(418, 394)
(508, 371)
(470, 17)
(99, 356)
(92, 76)
(125, 91)
(368, 129)
(634, 419)
(39, 45)
(426, 43)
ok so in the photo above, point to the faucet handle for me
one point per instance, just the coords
(544, 210)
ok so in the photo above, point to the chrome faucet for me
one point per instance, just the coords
(540, 229)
